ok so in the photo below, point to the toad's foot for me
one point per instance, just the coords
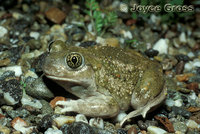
(143, 110)
(95, 106)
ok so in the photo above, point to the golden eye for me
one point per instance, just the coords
(74, 60)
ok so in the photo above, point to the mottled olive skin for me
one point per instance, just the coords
(123, 78)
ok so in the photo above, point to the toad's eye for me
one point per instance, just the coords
(74, 60)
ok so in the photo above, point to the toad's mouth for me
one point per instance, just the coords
(69, 81)
(56, 78)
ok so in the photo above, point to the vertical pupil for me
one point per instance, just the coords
(74, 60)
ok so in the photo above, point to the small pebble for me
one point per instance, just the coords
(121, 131)
(193, 86)
(155, 130)
(181, 111)
(12, 92)
(182, 37)
(16, 69)
(3, 31)
(65, 129)
(166, 122)
(183, 77)
(21, 125)
(192, 65)
(178, 102)
(180, 126)
(5, 62)
(113, 42)
(80, 128)
(142, 125)
(120, 116)
(81, 118)
(132, 130)
(4, 130)
(151, 52)
(126, 34)
(53, 131)
(169, 102)
(61, 120)
(55, 15)
(35, 35)
(192, 124)
(161, 46)
(191, 55)
(193, 109)
(78, 36)
(18, 113)
(192, 96)
(180, 67)
(46, 122)
(29, 101)
(182, 57)
(96, 122)
(196, 118)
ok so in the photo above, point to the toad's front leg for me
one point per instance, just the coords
(95, 106)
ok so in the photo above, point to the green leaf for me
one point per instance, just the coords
(92, 5)
(98, 21)
(110, 19)
(131, 41)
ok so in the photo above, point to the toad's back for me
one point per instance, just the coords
(119, 72)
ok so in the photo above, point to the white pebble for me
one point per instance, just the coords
(3, 31)
(121, 40)
(192, 65)
(188, 66)
(22, 127)
(81, 118)
(192, 124)
(53, 131)
(155, 130)
(123, 7)
(16, 69)
(169, 102)
(190, 55)
(161, 46)
(30, 73)
(35, 35)
(120, 116)
(17, 15)
(178, 102)
(9, 99)
(61, 120)
(193, 96)
(182, 37)
(96, 122)
(196, 64)
(155, 19)
(27, 100)
(101, 41)
(89, 27)
(127, 34)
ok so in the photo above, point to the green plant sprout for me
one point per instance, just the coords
(23, 84)
(131, 41)
(100, 21)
